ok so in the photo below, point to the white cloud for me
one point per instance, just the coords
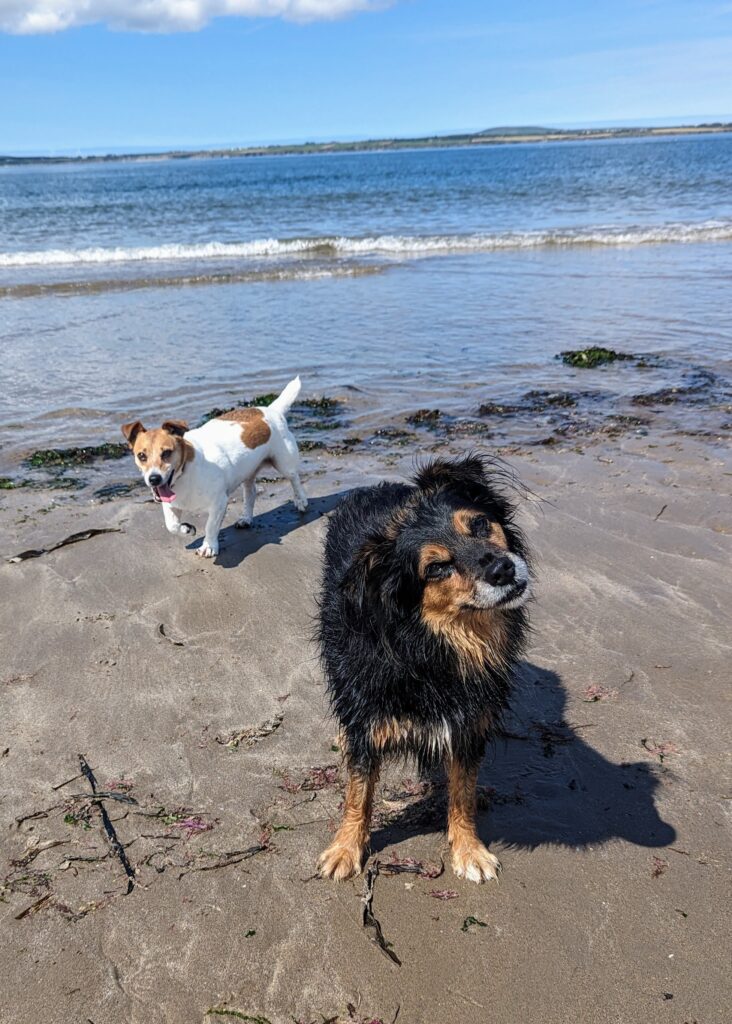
(30, 17)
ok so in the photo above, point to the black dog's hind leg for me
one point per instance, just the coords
(470, 858)
(344, 857)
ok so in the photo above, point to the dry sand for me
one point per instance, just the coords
(608, 815)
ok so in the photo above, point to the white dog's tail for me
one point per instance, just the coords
(283, 402)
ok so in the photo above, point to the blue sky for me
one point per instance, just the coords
(409, 67)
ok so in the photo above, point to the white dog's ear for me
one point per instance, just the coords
(175, 427)
(131, 430)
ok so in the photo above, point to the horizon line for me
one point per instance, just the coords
(690, 122)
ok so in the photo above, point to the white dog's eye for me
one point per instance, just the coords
(142, 457)
(166, 454)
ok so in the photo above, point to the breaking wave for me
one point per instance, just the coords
(384, 245)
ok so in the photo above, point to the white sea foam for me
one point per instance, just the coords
(395, 245)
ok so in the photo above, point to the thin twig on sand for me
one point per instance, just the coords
(228, 859)
(66, 782)
(369, 920)
(107, 824)
(34, 907)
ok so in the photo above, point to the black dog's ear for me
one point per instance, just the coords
(369, 569)
(131, 430)
(176, 427)
(467, 475)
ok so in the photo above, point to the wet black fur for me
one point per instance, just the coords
(381, 661)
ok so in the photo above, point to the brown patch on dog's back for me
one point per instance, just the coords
(463, 523)
(254, 427)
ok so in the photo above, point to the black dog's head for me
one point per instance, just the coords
(449, 551)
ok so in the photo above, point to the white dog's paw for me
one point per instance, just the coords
(208, 550)
(243, 523)
(301, 504)
(475, 862)
(184, 529)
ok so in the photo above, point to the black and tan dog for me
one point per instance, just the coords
(421, 623)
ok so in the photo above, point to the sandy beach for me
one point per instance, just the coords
(194, 696)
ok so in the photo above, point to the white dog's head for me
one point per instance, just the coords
(161, 454)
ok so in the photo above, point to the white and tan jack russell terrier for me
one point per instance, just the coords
(200, 469)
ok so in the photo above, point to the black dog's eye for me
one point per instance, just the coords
(142, 457)
(166, 454)
(480, 526)
(439, 570)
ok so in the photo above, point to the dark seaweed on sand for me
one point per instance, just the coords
(55, 483)
(61, 458)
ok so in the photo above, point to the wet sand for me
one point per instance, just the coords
(194, 694)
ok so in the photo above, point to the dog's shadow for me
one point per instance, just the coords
(236, 545)
(542, 783)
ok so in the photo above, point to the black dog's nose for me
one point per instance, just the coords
(154, 479)
(500, 572)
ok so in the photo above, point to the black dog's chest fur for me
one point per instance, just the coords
(391, 679)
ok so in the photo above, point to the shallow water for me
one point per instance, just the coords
(442, 279)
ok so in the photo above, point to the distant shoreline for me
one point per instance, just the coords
(491, 137)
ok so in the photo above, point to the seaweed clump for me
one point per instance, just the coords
(589, 358)
(62, 458)
(55, 483)
(540, 400)
(265, 399)
(321, 405)
(498, 409)
(394, 436)
(425, 418)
